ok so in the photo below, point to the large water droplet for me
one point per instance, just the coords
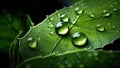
(79, 39)
(100, 28)
(91, 15)
(31, 43)
(61, 28)
(78, 11)
(64, 18)
(106, 13)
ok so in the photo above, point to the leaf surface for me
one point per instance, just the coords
(99, 21)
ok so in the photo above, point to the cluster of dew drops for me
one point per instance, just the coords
(78, 38)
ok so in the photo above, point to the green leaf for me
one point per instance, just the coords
(11, 25)
(82, 59)
(97, 22)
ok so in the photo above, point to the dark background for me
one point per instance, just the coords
(37, 9)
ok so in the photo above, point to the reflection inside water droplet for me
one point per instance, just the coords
(79, 39)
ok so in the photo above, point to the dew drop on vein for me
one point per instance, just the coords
(31, 43)
(64, 18)
(79, 39)
(61, 28)
(100, 28)
(78, 11)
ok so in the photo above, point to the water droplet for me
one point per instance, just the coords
(51, 18)
(78, 11)
(91, 15)
(106, 13)
(50, 25)
(58, 14)
(61, 28)
(79, 39)
(51, 32)
(31, 43)
(64, 18)
(100, 28)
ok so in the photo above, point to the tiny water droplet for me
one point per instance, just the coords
(51, 32)
(61, 28)
(50, 25)
(100, 28)
(106, 13)
(51, 18)
(64, 18)
(79, 39)
(91, 15)
(78, 11)
(31, 43)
